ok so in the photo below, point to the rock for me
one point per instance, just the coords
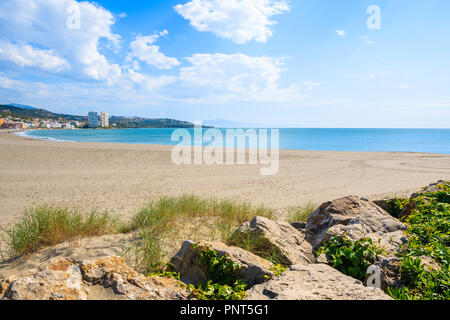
(430, 264)
(105, 278)
(59, 279)
(276, 239)
(299, 226)
(254, 269)
(389, 272)
(86, 248)
(314, 282)
(356, 218)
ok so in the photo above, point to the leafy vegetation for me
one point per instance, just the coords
(166, 274)
(277, 270)
(429, 235)
(48, 226)
(350, 257)
(396, 206)
(420, 283)
(221, 271)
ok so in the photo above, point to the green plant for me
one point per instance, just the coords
(396, 206)
(216, 291)
(221, 272)
(47, 226)
(350, 257)
(218, 268)
(412, 270)
(301, 214)
(421, 284)
(147, 253)
(429, 228)
(166, 274)
(277, 270)
(260, 246)
(428, 235)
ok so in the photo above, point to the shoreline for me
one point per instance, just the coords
(120, 178)
(24, 136)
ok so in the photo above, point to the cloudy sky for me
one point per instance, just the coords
(293, 63)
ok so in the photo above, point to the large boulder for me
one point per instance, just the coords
(356, 218)
(254, 269)
(314, 282)
(278, 240)
(104, 278)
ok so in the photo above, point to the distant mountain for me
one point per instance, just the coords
(221, 123)
(26, 113)
(24, 106)
(121, 122)
(137, 122)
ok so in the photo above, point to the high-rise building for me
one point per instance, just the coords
(104, 119)
(93, 120)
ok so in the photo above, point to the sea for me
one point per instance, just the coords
(389, 140)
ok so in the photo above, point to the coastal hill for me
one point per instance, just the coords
(28, 113)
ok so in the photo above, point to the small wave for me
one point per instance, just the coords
(26, 134)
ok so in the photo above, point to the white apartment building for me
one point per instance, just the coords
(104, 119)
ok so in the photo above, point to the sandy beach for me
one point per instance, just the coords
(120, 178)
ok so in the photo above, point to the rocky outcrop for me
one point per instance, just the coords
(314, 282)
(254, 269)
(276, 239)
(105, 278)
(357, 218)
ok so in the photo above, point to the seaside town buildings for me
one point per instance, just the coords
(21, 124)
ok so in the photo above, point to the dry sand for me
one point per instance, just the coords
(120, 178)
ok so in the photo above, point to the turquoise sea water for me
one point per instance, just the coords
(400, 140)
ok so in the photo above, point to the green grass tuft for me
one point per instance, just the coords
(301, 214)
(48, 226)
(162, 224)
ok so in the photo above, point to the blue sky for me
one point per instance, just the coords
(298, 63)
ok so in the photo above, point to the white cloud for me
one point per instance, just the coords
(367, 40)
(25, 55)
(143, 49)
(34, 34)
(310, 85)
(40, 27)
(341, 33)
(7, 83)
(236, 77)
(378, 76)
(237, 20)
